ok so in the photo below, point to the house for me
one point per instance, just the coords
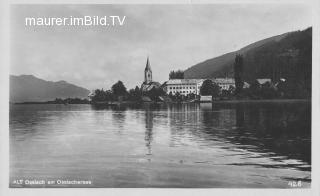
(224, 83)
(206, 98)
(263, 81)
(246, 85)
(91, 95)
(267, 81)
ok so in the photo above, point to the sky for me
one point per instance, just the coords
(172, 36)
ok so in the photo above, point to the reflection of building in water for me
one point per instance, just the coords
(184, 121)
(185, 113)
(149, 126)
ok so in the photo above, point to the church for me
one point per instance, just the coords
(148, 84)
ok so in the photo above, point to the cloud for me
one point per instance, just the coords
(174, 36)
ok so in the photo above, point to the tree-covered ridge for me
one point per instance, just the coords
(286, 56)
(290, 58)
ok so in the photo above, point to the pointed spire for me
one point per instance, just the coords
(148, 65)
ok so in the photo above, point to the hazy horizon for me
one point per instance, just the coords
(173, 36)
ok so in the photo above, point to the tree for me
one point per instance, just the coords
(231, 89)
(135, 94)
(110, 96)
(178, 97)
(254, 90)
(154, 93)
(179, 74)
(268, 91)
(119, 89)
(209, 88)
(99, 95)
(238, 73)
(191, 96)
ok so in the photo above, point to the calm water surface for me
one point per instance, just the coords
(188, 145)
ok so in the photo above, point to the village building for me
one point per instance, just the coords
(188, 86)
(246, 85)
(183, 86)
(262, 81)
(91, 95)
(224, 83)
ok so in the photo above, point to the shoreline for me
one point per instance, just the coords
(233, 101)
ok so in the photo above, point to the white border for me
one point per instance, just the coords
(4, 108)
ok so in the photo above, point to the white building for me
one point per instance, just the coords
(183, 86)
(91, 95)
(262, 81)
(187, 86)
(224, 83)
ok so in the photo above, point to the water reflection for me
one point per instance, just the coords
(224, 139)
(149, 127)
(277, 130)
(119, 118)
(283, 129)
(239, 117)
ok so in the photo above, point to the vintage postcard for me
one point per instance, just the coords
(160, 96)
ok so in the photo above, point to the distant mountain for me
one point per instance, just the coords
(287, 55)
(28, 88)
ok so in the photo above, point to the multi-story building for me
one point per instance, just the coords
(187, 86)
(183, 86)
(224, 83)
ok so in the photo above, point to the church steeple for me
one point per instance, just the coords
(148, 65)
(147, 73)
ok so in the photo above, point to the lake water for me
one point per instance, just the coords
(244, 145)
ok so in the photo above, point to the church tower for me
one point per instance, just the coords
(147, 73)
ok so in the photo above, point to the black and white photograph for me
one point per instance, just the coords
(197, 96)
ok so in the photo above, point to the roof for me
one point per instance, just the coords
(224, 80)
(263, 80)
(146, 99)
(149, 86)
(246, 85)
(91, 94)
(282, 79)
(148, 65)
(151, 83)
(184, 81)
